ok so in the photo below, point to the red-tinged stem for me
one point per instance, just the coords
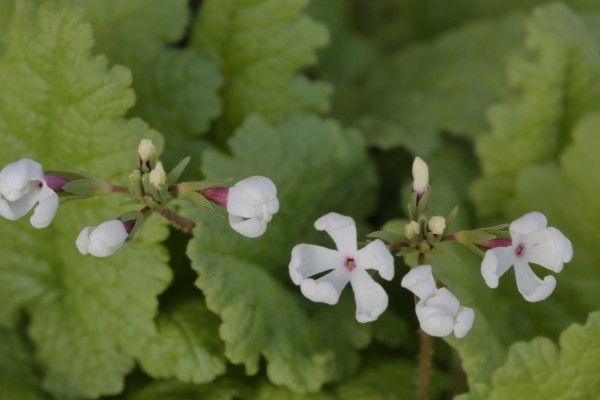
(425, 365)
(497, 242)
(183, 224)
(118, 189)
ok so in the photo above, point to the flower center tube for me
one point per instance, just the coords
(350, 264)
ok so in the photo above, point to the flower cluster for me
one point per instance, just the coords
(250, 203)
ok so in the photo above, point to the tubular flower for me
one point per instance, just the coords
(532, 241)
(439, 312)
(251, 204)
(22, 187)
(345, 264)
(102, 240)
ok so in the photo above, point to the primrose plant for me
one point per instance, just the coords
(24, 185)
(323, 273)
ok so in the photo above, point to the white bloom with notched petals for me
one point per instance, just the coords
(346, 264)
(439, 312)
(532, 242)
(251, 204)
(420, 173)
(102, 240)
(22, 187)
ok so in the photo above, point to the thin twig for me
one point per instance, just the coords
(183, 224)
(425, 365)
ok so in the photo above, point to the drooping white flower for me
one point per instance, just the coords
(532, 241)
(102, 240)
(436, 225)
(346, 264)
(439, 312)
(22, 187)
(420, 173)
(251, 204)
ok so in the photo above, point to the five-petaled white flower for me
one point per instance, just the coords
(102, 240)
(22, 186)
(346, 264)
(439, 312)
(531, 241)
(251, 204)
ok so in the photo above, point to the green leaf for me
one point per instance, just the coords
(540, 370)
(19, 378)
(438, 86)
(317, 168)
(391, 232)
(223, 389)
(553, 90)
(88, 316)
(260, 45)
(187, 346)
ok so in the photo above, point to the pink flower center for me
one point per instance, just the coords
(519, 250)
(350, 264)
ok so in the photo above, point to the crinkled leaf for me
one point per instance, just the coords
(554, 89)
(187, 346)
(19, 378)
(438, 86)
(540, 370)
(260, 45)
(223, 389)
(317, 168)
(62, 105)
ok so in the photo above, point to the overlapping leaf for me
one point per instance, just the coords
(61, 105)
(555, 88)
(260, 45)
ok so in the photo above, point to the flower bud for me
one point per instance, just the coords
(158, 177)
(251, 204)
(437, 225)
(102, 240)
(412, 229)
(146, 150)
(420, 173)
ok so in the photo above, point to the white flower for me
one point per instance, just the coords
(532, 241)
(346, 264)
(146, 150)
(251, 204)
(158, 176)
(420, 173)
(412, 229)
(439, 312)
(22, 186)
(102, 240)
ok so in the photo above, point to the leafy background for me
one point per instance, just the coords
(331, 99)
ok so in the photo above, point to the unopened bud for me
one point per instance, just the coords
(412, 229)
(157, 176)
(420, 173)
(437, 225)
(146, 150)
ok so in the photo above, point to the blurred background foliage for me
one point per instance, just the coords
(331, 99)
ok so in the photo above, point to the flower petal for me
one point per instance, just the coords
(45, 211)
(342, 230)
(549, 248)
(250, 227)
(464, 322)
(495, 263)
(328, 288)
(530, 286)
(445, 300)
(434, 321)
(420, 281)
(376, 256)
(107, 238)
(309, 259)
(14, 210)
(16, 178)
(247, 197)
(83, 240)
(371, 299)
(527, 224)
